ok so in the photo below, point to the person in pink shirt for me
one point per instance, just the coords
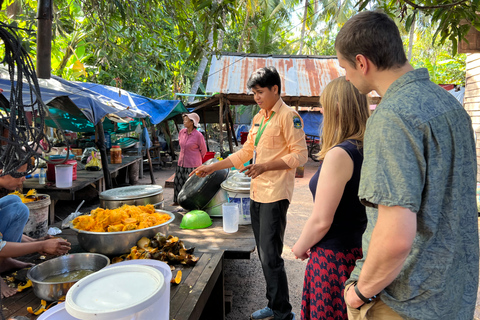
(192, 151)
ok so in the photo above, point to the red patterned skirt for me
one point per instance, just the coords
(325, 276)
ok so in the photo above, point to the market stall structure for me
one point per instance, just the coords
(303, 80)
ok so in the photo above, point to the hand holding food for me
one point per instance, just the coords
(56, 246)
(202, 171)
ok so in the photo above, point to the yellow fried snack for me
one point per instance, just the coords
(29, 197)
(125, 218)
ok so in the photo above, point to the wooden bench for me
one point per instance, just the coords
(169, 183)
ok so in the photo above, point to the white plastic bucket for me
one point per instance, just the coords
(56, 313)
(243, 201)
(37, 224)
(63, 175)
(162, 305)
(120, 292)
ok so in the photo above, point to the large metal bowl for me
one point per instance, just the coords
(52, 291)
(117, 243)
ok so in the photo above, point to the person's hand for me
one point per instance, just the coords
(299, 254)
(202, 171)
(254, 170)
(352, 299)
(56, 246)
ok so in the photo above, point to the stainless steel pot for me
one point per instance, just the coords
(214, 206)
(133, 195)
(116, 243)
(51, 291)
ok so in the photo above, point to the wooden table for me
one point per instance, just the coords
(85, 178)
(237, 245)
(200, 295)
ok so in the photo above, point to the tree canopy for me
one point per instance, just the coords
(154, 47)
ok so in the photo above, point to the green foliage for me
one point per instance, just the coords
(153, 47)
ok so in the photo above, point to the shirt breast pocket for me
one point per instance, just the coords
(273, 137)
(254, 132)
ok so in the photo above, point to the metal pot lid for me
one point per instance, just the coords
(238, 182)
(131, 192)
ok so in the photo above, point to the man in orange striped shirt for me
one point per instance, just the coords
(276, 143)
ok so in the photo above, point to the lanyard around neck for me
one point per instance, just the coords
(262, 128)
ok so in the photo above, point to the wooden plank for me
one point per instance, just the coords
(178, 297)
(195, 301)
(169, 183)
(238, 245)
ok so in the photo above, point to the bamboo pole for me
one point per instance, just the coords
(205, 124)
(220, 122)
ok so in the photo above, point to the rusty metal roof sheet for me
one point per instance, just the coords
(302, 76)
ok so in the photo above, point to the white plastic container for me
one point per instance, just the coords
(230, 217)
(237, 186)
(163, 304)
(163, 310)
(63, 175)
(56, 313)
(243, 201)
(120, 292)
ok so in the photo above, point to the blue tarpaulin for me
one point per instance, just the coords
(312, 122)
(91, 104)
(158, 110)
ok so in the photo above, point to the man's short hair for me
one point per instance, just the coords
(374, 35)
(266, 77)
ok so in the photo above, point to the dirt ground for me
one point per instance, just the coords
(244, 278)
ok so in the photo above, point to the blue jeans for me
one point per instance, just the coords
(13, 217)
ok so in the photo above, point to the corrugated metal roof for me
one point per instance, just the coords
(302, 76)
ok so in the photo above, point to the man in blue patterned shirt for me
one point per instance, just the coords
(418, 183)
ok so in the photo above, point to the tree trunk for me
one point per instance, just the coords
(410, 40)
(201, 68)
(303, 27)
(203, 63)
(44, 39)
(240, 43)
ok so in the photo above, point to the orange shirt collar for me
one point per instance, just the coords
(275, 108)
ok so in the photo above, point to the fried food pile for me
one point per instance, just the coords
(125, 218)
(29, 197)
(169, 249)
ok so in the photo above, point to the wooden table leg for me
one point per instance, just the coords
(215, 306)
(52, 211)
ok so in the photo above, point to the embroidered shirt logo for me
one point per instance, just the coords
(297, 124)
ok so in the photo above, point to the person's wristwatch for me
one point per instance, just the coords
(361, 296)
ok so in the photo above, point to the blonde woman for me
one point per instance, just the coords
(332, 236)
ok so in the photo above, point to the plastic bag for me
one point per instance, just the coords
(71, 216)
(86, 154)
(94, 164)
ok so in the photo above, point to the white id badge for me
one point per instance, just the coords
(254, 160)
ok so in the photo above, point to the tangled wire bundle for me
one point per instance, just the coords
(24, 137)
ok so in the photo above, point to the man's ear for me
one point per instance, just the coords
(275, 89)
(362, 63)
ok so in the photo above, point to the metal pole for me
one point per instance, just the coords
(44, 38)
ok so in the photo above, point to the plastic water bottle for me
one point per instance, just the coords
(41, 178)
